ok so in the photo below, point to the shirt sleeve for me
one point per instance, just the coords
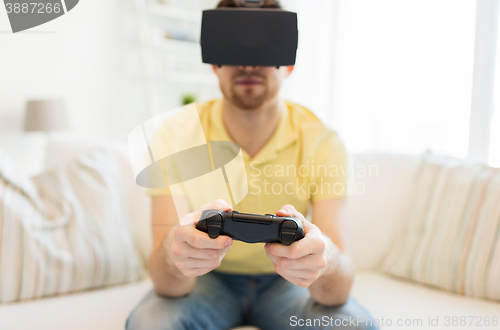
(153, 192)
(329, 168)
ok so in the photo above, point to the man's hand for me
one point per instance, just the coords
(193, 251)
(304, 261)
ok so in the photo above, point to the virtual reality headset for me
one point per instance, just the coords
(249, 36)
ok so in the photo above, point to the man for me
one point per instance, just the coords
(293, 162)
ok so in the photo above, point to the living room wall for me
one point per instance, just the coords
(88, 57)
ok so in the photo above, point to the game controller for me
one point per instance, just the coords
(251, 228)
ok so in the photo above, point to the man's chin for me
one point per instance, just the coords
(249, 101)
(244, 103)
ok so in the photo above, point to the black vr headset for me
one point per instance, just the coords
(249, 36)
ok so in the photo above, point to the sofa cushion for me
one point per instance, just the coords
(451, 236)
(105, 309)
(384, 296)
(392, 299)
(68, 229)
(381, 188)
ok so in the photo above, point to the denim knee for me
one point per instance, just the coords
(143, 318)
(193, 312)
(351, 315)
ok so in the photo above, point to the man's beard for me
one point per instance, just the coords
(248, 99)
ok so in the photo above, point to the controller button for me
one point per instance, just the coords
(207, 214)
(289, 224)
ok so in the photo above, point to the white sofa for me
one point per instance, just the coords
(376, 209)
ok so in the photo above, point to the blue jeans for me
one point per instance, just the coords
(222, 301)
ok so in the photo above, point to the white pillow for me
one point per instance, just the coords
(67, 149)
(451, 238)
(68, 229)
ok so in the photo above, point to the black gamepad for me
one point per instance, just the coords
(251, 228)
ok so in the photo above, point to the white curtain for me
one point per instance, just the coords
(312, 80)
(388, 75)
(495, 124)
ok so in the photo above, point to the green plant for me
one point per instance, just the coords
(188, 98)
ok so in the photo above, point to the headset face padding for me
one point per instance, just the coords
(248, 36)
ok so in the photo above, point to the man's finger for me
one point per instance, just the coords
(201, 240)
(288, 210)
(218, 204)
(309, 262)
(187, 251)
(292, 251)
(304, 274)
(197, 263)
(274, 259)
(192, 272)
(306, 225)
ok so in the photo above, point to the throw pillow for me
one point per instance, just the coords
(451, 237)
(66, 230)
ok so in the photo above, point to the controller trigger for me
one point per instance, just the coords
(288, 232)
(214, 226)
(287, 238)
(213, 230)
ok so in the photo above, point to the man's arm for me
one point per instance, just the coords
(167, 279)
(334, 285)
(319, 261)
(180, 253)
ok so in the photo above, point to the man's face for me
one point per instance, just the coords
(248, 87)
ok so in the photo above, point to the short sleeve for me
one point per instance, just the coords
(329, 168)
(153, 192)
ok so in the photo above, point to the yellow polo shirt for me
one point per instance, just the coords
(303, 162)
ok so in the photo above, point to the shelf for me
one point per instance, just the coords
(172, 52)
(174, 45)
(175, 13)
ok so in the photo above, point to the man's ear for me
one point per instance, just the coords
(289, 69)
(214, 68)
